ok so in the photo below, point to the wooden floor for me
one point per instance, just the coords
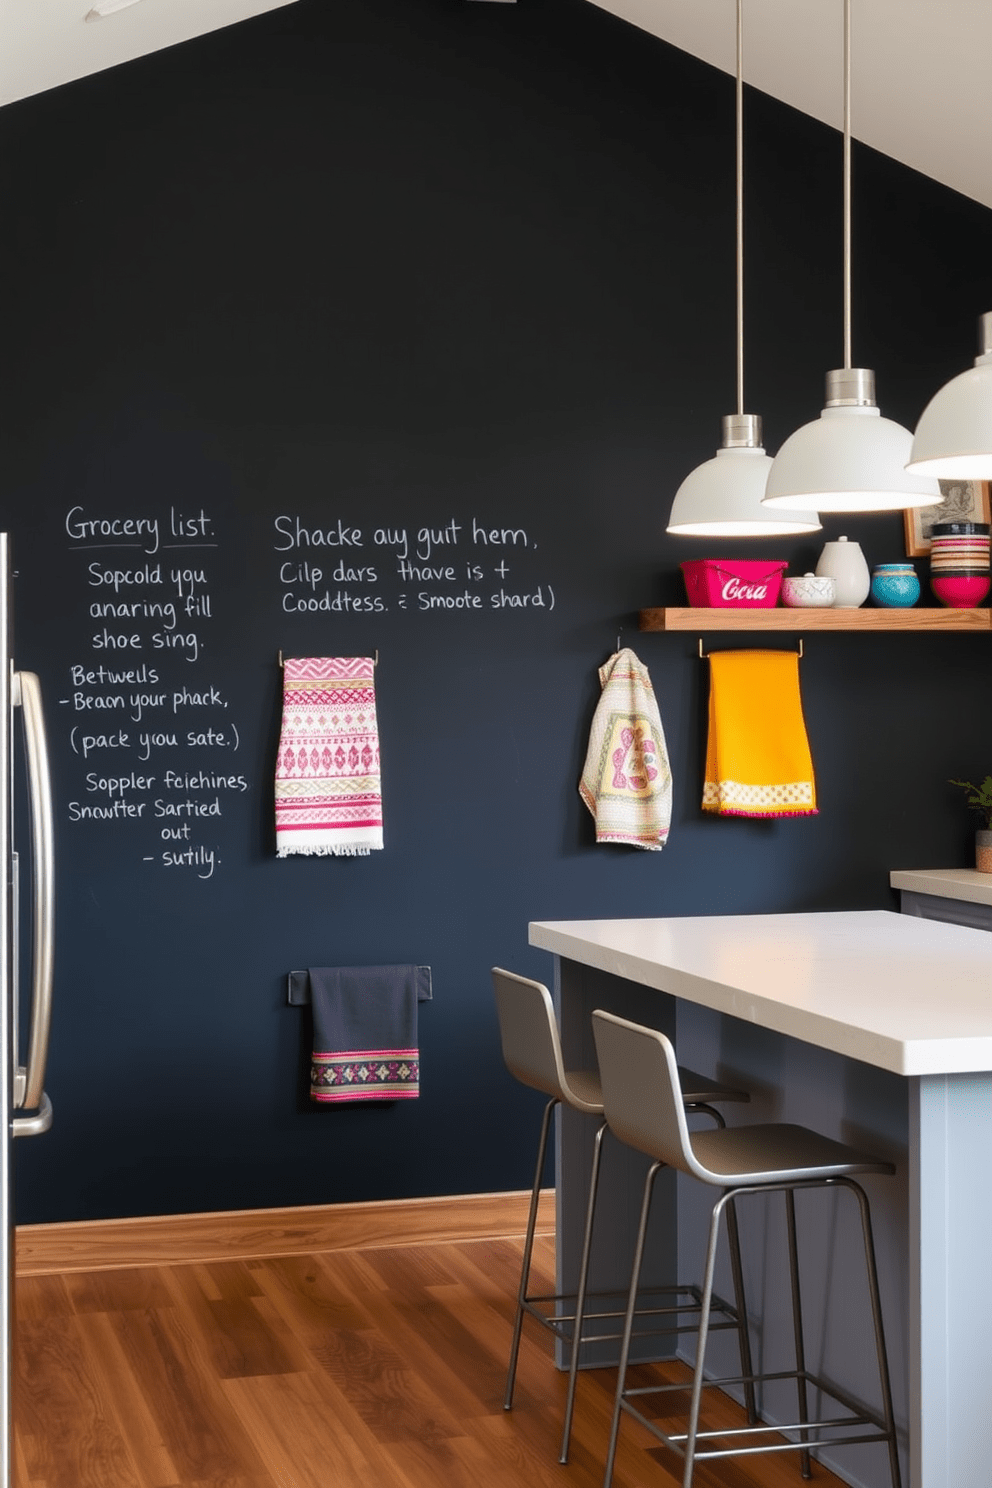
(366, 1368)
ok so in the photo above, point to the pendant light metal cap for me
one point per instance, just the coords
(851, 387)
(954, 435)
(722, 497)
(850, 459)
(741, 431)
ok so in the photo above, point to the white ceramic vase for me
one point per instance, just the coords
(844, 562)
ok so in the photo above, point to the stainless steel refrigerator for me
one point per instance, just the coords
(21, 1087)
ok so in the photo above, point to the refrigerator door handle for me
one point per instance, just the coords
(33, 1126)
(27, 694)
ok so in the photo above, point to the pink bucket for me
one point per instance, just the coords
(733, 583)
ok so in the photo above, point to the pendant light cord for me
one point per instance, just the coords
(847, 184)
(740, 206)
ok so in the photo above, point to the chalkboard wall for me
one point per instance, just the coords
(393, 326)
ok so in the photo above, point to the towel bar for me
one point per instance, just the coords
(298, 987)
(375, 659)
(705, 655)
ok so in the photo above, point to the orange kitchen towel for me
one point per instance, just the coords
(757, 754)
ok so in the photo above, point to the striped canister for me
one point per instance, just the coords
(959, 545)
(959, 562)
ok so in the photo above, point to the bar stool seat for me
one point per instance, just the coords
(532, 1051)
(641, 1096)
(776, 1153)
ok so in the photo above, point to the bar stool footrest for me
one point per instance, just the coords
(808, 1442)
(723, 1314)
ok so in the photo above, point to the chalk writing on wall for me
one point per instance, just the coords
(342, 567)
(156, 743)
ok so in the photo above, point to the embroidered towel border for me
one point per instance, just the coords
(365, 1074)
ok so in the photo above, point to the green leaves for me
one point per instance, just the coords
(979, 797)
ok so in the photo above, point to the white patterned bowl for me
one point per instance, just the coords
(808, 591)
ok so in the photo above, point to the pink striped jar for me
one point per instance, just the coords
(959, 563)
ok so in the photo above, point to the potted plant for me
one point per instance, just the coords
(980, 800)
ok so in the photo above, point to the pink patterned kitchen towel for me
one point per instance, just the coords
(327, 790)
(627, 782)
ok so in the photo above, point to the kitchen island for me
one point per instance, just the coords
(869, 1026)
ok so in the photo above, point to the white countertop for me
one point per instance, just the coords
(906, 994)
(946, 883)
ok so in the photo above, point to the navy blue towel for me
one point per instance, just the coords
(364, 1030)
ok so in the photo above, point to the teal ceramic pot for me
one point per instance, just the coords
(894, 585)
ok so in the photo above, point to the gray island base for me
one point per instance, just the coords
(872, 1027)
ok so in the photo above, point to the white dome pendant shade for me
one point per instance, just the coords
(850, 459)
(954, 436)
(722, 498)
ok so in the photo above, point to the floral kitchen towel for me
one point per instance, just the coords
(757, 754)
(626, 781)
(327, 790)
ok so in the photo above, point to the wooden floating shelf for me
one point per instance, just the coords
(700, 618)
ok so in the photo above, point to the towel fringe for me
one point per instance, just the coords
(323, 852)
(763, 815)
(630, 840)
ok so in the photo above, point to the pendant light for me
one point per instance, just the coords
(850, 459)
(954, 435)
(722, 498)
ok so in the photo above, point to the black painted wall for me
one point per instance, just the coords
(410, 263)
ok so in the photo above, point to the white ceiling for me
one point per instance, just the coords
(920, 69)
(47, 42)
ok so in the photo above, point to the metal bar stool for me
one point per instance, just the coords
(641, 1096)
(533, 1054)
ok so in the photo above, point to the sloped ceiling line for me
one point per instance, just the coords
(920, 67)
(919, 70)
(48, 42)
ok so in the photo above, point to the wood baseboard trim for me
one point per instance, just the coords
(246, 1234)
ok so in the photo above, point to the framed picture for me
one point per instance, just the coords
(964, 501)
